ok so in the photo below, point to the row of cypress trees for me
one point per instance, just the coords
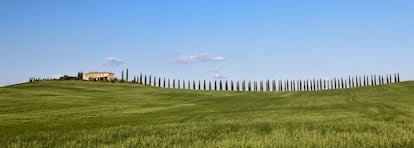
(269, 85)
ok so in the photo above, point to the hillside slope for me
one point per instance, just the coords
(71, 113)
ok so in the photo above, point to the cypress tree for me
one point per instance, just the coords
(145, 79)
(140, 78)
(199, 85)
(159, 82)
(292, 85)
(372, 80)
(364, 82)
(388, 79)
(238, 85)
(215, 85)
(395, 78)
(122, 78)
(164, 82)
(149, 80)
(232, 85)
(312, 84)
(127, 76)
(209, 85)
(268, 85)
(169, 83)
(356, 81)
(398, 77)
(286, 87)
(249, 86)
(273, 85)
(220, 85)
(194, 85)
(204, 84)
(226, 88)
(184, 85)
(173, 85)
(155, 81)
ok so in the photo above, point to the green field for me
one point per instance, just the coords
(87, 114)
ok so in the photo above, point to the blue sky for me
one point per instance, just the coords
(192, 40)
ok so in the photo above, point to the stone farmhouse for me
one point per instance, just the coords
(99, 76)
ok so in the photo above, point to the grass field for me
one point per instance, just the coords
(86, 114)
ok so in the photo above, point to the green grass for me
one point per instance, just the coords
(86, 114)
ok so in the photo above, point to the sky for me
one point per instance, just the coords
(206, 39)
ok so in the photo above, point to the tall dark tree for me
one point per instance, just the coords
(232, 85)
(395, 78)
(221, 85)
(164, 82)
(273, 85)
(199, 85)
(215, 85)
(249, 86)
(227, 86)
(122, 78)
(159, 82)
(126, 78)
(194, 85)
(149, 80)
(155, 81)
(286, 85)
(238, 85)
(209, 85)
(398, 77)
(173, 83)
(169, 83)
(145, 79)
(140, 78)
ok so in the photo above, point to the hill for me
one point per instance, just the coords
(87, 114)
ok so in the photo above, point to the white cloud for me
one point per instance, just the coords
(203, 57)
(114, 61)
(218, 75)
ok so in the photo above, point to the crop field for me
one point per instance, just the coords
(94, 114)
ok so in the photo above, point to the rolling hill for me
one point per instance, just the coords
(88, 114)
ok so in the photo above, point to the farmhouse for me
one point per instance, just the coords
(99, 76)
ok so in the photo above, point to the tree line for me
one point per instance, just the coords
(268, 85)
